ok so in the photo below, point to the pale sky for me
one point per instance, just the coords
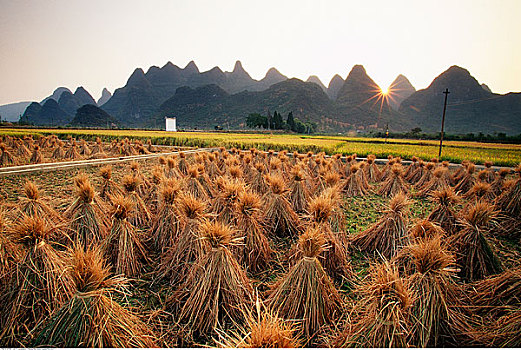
(98, 43)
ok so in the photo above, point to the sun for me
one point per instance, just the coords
(384, 91)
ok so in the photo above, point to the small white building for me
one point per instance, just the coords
(170, 124)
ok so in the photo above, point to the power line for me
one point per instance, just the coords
(473, 101)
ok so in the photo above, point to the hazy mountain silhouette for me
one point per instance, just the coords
(69, 103)
(83, 96)
(50, 113)
(334, 86)
(57, 111)
(12, 111)
(470, 108)
(141, 97)
(56, 94)
(90, 115)
(214, 97)
(105, 96)
(316, 80)
(400, 89)
(211, 105)
(360, 102)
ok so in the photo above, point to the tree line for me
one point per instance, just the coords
(277, 122)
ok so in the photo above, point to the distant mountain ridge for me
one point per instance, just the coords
(11, 112)
(144, 92)
(470, 108)
(204, 99)
(59, 108)
(105, 96)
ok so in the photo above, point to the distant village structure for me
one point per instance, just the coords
(170, 124)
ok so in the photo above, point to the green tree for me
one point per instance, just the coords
(255, 120)
(278, 122)
(291, 121)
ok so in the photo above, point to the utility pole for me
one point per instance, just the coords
(446, 92)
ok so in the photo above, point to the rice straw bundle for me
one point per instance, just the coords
(98, 147)
(298, 193)
(490, 173)
(382, 316)
(193, 186)
(171, 171)
(36, 156)
(212, 169)
(166, 223)
(497, 294)
(475, 255)
(306, 292)
(262, 329)
(226, 199)
(109, 189)
(235, 172)
(258, 183)
(205, 180)
(123, 246)
(354, 186)
(411, 168)
(39, 283)
(466, 182)
(336, 220)
(87, 214)
(460, 172)
(140, 216)
(280, 216)
(506, 331)
(72, 152)
(10, 252)
(256, 252)
(434, 310)
(417, 174)
(480, 191)
(58, 152)
(84, 148)
(394, 183)
(151, 148)
(28, 141)
(335, 259)
(425, 229)
(92, 318)
(427, 175)
(6, 158)
(497, 185)
(34, 205)
(363, 176)
(509, 201)
(114, 146)
(444, 214)
(217, 288)
(186, 247)
(144, 184)
(387, 168)
(439, 181)
(347, 166)
(23, 152)
(387, 236)
(182, 165)
(371, 170)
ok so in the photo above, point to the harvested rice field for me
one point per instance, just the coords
(500, 154)
(243, 248)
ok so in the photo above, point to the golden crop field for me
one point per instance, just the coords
(454, 151)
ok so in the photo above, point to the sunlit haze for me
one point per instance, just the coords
(97, 44)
